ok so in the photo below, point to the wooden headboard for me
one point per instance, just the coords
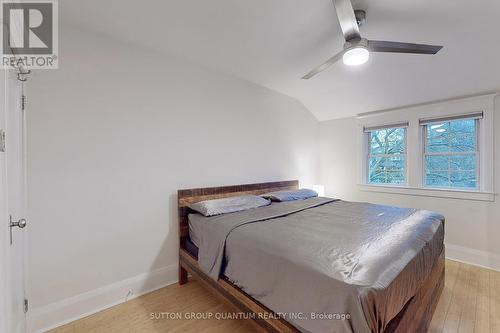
(189, 196)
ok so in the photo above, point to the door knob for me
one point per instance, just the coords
(21, 223)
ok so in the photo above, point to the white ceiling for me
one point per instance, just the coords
(275, 42)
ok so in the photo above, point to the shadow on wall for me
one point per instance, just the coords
(163, 269)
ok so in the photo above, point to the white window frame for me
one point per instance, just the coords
(415, 146)
(424, 129)
(369, 154)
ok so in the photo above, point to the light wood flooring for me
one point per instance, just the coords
(470, 302)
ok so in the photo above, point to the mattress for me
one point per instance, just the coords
(324, 265)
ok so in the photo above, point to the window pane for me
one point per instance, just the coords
(396, 177)
(377, 176)
(437, 179)
(438, 144)
(438, 130)
(437, 162)
(395, 163)
(387, 141)
(461, 127)
(376, 144)
(465, 179)
(463, 162)
(463, 143)
(396, 147)
(386, 163)
(391, 163)
(451, 154)
(377, 163)
(437, 138)
(395, 134)
(377, 168)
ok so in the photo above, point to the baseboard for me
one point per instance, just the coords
(473, 257)
(50, 316)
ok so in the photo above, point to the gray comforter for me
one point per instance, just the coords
(324, 265)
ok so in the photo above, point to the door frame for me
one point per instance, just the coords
(12, 201)
(4, 232)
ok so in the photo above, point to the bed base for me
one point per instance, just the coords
(235, 297)
(414, 317)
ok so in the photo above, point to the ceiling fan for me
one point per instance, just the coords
(357, 49)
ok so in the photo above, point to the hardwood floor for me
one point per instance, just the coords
(470, 303)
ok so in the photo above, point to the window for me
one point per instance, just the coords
(444, 149)
(387, 155)
(451, 155)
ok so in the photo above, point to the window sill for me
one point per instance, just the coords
(429, 192)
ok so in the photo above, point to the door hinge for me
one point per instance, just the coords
(2, 141)
(23, 102)
(26, 305)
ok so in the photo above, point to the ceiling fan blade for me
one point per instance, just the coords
(347, 19)
(323, 66)
(397, 47)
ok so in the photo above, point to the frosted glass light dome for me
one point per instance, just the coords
(356, 56)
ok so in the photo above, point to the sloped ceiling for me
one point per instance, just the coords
(273, 43)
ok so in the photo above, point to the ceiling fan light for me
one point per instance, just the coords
(356, 56)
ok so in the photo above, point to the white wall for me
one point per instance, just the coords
(113, 133)
(472, 227)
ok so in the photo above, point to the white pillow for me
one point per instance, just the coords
(229, 205)
(281, 196)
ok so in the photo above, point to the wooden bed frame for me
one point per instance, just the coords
(414, 317)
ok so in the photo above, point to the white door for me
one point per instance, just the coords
(12, 206)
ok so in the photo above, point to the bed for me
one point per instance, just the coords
(374, 268)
